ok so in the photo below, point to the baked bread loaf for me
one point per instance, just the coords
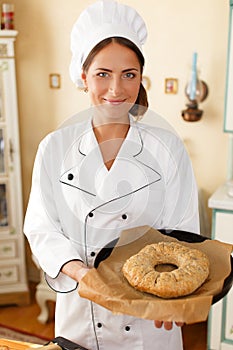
(191, 269)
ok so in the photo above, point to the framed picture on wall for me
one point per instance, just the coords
(171, 86)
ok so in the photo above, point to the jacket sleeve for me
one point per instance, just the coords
(181, 193)
(51, 248)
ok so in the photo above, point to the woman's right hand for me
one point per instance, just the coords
(167, 325)
(82, 272)
(75, 269)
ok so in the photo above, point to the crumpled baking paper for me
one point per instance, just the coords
(107, 286)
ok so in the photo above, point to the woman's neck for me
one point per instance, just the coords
(107, 129)
(110, 138)
(111, 131)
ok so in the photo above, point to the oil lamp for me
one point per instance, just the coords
(196, 91)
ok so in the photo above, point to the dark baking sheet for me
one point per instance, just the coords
(181, 236)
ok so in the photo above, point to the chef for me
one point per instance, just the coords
(111, 172)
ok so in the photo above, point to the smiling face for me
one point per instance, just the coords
(113, 77)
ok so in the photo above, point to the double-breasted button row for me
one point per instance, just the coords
(100, 325)
(124, 216)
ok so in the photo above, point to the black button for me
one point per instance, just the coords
(127, 328)
(99, 325)
(124, 216)
(92, 253)
(91, 215)
(70, 176)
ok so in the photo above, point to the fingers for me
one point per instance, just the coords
(158, 324)
(179, 324)
(167, 325)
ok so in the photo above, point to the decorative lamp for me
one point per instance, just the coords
(196, 91)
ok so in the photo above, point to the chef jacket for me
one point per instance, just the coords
(77, 206)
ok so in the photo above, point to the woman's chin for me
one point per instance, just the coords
(113, 111)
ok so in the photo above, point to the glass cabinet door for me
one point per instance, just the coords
(4, 176)
(2, 152)
(4, 220)
(1, 96)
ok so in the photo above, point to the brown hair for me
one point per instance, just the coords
(141, 104)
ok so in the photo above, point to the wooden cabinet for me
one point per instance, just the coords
(13, 281)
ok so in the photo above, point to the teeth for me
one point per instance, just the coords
(115, 101)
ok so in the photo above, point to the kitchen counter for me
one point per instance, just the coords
(221, 199)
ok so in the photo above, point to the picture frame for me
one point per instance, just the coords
(171, 86)
(54, 81)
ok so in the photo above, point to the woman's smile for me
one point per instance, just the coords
(114, 102)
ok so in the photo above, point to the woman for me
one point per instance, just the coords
(91, 180)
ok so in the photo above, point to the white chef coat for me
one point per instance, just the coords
(77, 206)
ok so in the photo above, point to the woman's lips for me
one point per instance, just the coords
(114, 102)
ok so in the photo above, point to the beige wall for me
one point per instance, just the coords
(176, 29)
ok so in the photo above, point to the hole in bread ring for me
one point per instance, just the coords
(189, 268)
(165, 267)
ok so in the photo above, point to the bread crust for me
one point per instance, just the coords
(191, 272)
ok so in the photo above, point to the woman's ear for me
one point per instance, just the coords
(84, 79)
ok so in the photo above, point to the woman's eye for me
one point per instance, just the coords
(102, 74)
(129, 75)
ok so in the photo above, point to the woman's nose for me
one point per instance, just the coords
(115, 86)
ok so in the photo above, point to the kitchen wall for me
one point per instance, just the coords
(176, 29)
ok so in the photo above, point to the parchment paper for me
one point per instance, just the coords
(107, 286)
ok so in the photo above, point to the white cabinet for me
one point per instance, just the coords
(220, 323)
(13, 281)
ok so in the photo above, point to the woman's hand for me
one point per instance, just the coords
(75, 269)
(82, 272)
(167, 325)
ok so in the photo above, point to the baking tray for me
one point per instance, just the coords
(184, 236)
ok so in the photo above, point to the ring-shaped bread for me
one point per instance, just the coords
(191, 272)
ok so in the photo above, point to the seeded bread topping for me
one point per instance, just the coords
(191, 269)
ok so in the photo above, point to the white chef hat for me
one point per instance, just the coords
(101, 20)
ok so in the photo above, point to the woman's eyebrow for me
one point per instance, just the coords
(104, 69)
(124, 70)
(129, 69)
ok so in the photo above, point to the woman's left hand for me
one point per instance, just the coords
(167, 325)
